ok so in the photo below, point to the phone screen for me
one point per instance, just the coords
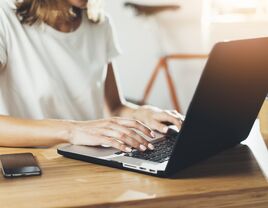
(15, 165)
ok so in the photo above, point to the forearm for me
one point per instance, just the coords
(32, 133)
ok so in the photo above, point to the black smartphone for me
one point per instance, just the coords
(16, 165)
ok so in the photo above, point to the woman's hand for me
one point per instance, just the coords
(119, 133)
(156, 118)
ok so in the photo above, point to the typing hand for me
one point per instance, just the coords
(158, 119)
(119, 133)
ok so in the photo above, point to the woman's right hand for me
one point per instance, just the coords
(119, 133)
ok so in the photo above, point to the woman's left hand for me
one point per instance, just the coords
(156, 118)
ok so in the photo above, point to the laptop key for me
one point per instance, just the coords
(161, 153)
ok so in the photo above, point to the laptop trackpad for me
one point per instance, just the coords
(88, 151)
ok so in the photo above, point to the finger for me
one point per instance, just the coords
(174, 113)
(123, 137)
(166, 116)
(130, 123)
(114, 143)
(158, 126)
(129, 137)
(178, 115)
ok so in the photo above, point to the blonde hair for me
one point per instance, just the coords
(38, 11)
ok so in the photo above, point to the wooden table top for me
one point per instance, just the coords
(230, 179)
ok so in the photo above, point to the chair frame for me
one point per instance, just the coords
(162, 65)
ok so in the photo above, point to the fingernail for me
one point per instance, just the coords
(151, 147)
(165, 129)
(152, 134)
(142, 147)
(128, 149)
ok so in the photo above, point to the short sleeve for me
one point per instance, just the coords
(3, 48)
(113, 48)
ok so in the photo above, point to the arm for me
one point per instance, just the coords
(32, 133)
(151, 116)
(43, 133)
(116, 103)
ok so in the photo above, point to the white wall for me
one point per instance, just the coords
(141, 48)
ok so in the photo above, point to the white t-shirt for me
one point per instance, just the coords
(50, 74)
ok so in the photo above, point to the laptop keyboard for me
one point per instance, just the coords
(161, 153)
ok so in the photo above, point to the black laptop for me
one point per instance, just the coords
(222, 112)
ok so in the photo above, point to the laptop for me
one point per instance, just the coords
(225, 105)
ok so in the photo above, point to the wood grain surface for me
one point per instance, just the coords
(231, 179)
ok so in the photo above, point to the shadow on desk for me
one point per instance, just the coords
(236, 161)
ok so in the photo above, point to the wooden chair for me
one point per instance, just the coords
(162, 65)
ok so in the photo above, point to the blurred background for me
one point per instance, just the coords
(192, 29)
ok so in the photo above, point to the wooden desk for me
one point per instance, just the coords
(231, 179)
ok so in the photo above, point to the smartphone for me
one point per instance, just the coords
(16, 165)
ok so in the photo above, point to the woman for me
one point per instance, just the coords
(53, 80)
